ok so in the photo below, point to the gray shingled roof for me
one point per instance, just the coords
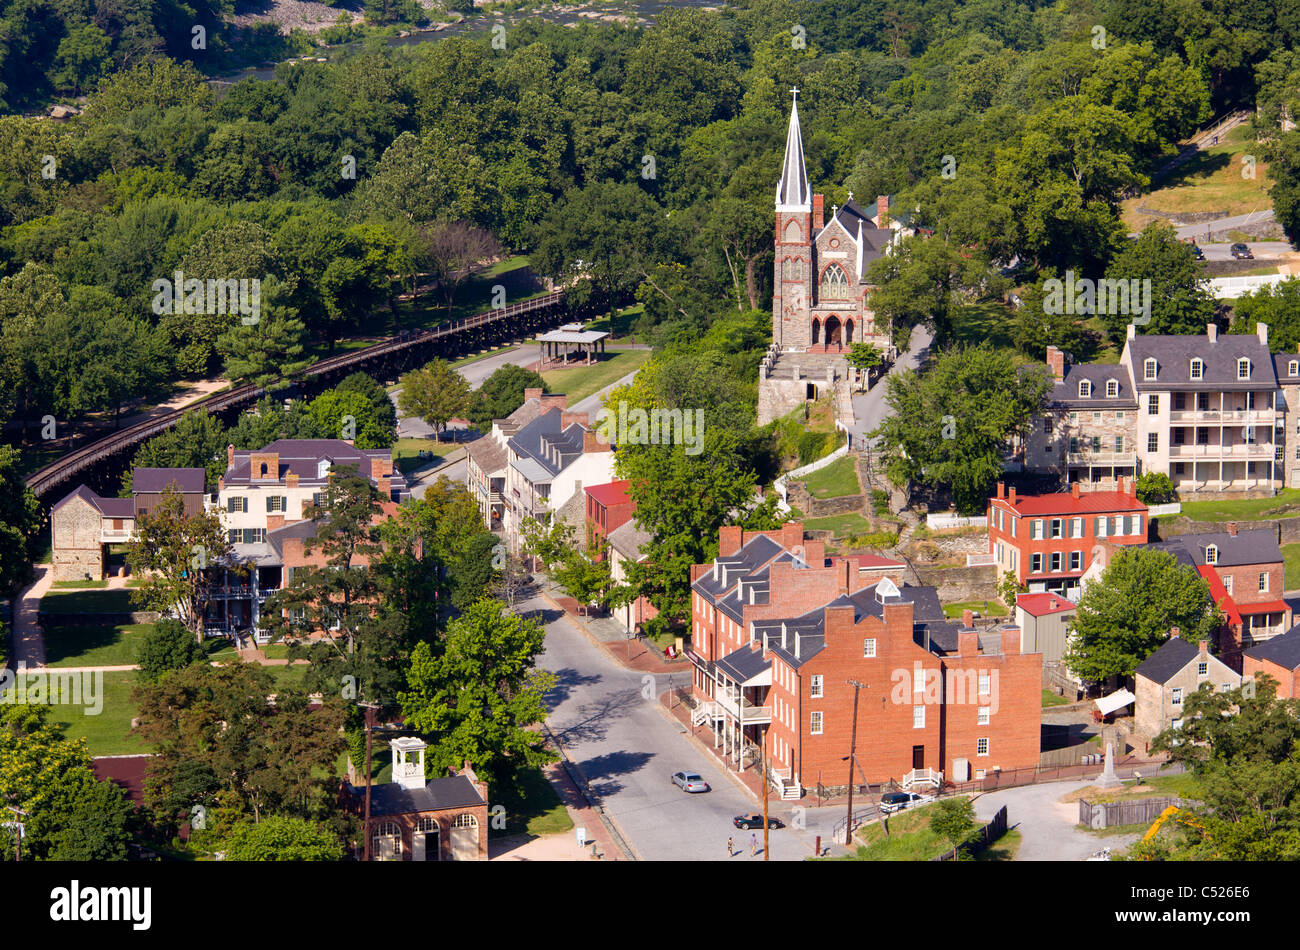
(1283, 650)
(629, 540)
(108, 507)
(1248, 547)
(302, 457)
(157, 479)
(1282, 368)
(1174, 355)
(1066, 392)
(456, 791)
(1168, 661)
(544, 441)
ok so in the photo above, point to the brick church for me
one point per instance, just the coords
(819, 299)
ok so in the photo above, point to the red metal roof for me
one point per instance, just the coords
(1219, 594)
(611, 493)
(1064, 503)
(1266, 607)
(1043, 604)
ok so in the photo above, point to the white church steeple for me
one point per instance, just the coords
(792, 192)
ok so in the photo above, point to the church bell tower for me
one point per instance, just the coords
(792, 282)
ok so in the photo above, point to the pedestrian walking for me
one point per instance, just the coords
(731, 847)
(753, 845)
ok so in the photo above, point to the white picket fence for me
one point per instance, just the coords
(1156, 511)
(1229, 288)
(938, 521)
(781, 483)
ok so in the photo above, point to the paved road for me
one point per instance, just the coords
(626, 750)
(869, 408)
(1047, 826)
(1199, 231)
(1263, 250)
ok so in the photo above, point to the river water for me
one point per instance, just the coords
(645, 11)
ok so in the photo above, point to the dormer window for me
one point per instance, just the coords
(323, 468)
(1085, 388)
(1197, 370)
(1293, 368)
(1211, 554)
(1112, 389)
(1243, 368)
(1149, 368)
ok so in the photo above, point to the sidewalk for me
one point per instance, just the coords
(637, 655)
(29, 642)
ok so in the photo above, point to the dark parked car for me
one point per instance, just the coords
(690, 782)
(755, 821)
(897, 801)
(1241, 252)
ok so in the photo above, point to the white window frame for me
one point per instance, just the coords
(1085, 389)
(1176, 696)
(1203, 668)
(1293, 368)
(869, 648)
(1263, 582)
(1212, 554)
(918, 717)
(1150, 368)
(985, 684)
(815, 723)
(1243, 368)
(1076, 527)
(982, 716)
(1036, 563)
(815, 687)
(982, 746)
(1197, 368)
(1227, 583)
(1112, 389)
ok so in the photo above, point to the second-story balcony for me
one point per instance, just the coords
(1231, 452)
(1225, 416)
(1101, 458)
(745, 710)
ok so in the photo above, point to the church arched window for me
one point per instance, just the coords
(792, 269)
(835, 283)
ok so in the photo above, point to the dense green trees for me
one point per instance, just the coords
(500, 394)
(1125, 616)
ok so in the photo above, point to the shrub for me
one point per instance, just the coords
(168, 646)
(879, 501)
(1155, 488)
(812, 446)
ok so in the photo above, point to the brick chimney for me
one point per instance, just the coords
(1232, 528)
(591, 443)
(569, 418)
(1002, 490)
(533, 394)
(968, 643)
(230, 455)
(1056, 361)
(1010, 639)
(882, 211)
(968, 618)
(1203, 646)
(1211, 332)
(274, 521)
(1261, 331)
(1174, 633)
(819, 212)
(385, 486)
(380, 466)
(1011, 497)
(1076, 490)
(1131, 332)
(291, 480)
(729, 539)
(553, 401)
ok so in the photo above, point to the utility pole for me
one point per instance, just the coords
(18, 832)
(853, 751)
(370, 725)
(762, 758)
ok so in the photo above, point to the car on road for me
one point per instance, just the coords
(690, 782)
(1241, 252)
(896, 801)
(747, 822)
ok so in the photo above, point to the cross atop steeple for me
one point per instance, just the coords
(850, 196)
(792, 191)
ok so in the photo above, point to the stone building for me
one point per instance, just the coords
(820, 301)
(1168, 676)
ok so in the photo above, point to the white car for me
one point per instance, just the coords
(891, 802)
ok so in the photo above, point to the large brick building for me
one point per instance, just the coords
(1207, 410)
(778, 634)
(1047, 541)
(1165, 679)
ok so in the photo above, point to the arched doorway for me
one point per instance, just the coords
(848, 331)
(816, 330)
(464, 838)
(833, 330)
(425, 841)
(386, 842)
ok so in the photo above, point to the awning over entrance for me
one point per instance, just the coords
(1116, 700)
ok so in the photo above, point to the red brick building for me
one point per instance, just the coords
(1246, 573)
(1280, 659)
(1047, 540)
(778, 634)
(608, 509)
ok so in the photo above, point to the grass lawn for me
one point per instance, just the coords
(79, 585)
(910, 839)
(582, 381)
(535, 811)
(101, 601)
(620, 323)
(1284, 504)
(1004, 849)
(406, 453)
(982, 608)
(1051, 699)
(835, 480)
(841, 526)
(1291, 559)
(1210, 181)
(94, 646)
(108, 732)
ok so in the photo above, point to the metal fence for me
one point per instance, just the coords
(1010, 778)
